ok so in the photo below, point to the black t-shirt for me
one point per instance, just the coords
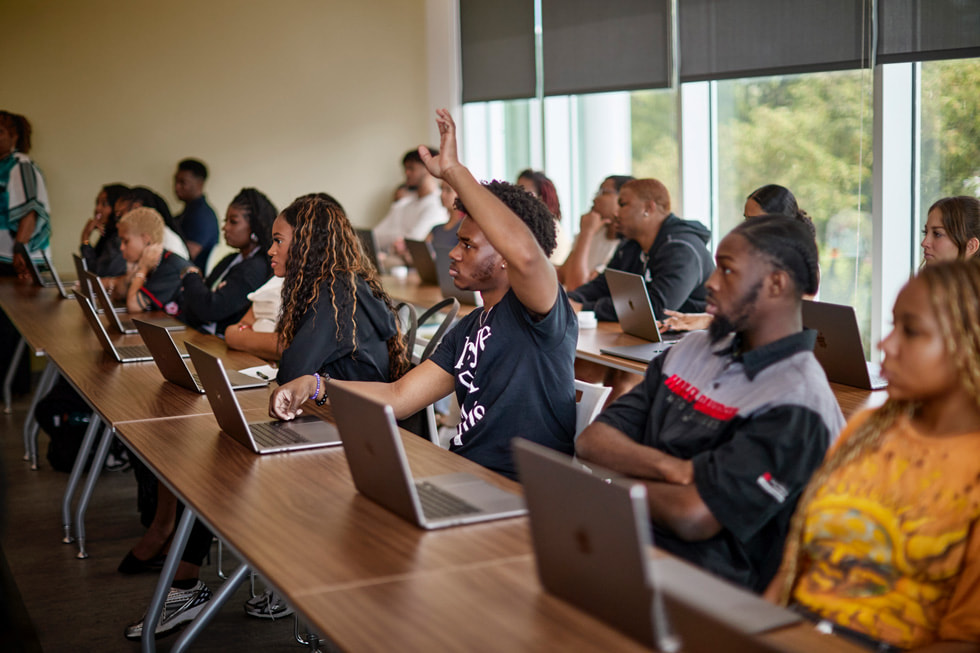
(324, 341)
(161, 288)
(514, 378)
(215, 310)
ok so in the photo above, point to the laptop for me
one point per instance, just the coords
(35, 272)
(173, 368)
(379, 467)
(124, 354)
(424, 262)
(370, 245)
(839, 349)
(270, 436)
(123, 326)
(598, 557)
(81, 267)
(446, 283)
(633, 309)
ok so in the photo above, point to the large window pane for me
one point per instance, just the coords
(812, 134)
(654, 123)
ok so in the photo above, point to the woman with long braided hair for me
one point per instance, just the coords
(336, 319)
(214, 303)
(884, 547)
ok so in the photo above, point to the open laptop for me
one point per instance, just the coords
(81, 267)
(425, 263)
(598, 557)
(123, 354)
(173, 368)
(35, 272)
(370, 245)
(448, 286)
(116, 322)
(636, 318)
(268, 436)
(379, 467)
(839, 349)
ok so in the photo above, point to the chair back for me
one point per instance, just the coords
(589, 400)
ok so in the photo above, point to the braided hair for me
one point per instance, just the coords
(20, 126)
(260, 213)
(326, 248)
(954, 297)
(788, 245)
(778, 200)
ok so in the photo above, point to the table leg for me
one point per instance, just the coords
(31, 427)
(93, 475)
(8, 381)
(158, 600)
(204, 618)
(76, 475)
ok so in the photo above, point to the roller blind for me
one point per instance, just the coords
(497, 42)
(590, 46)
(721, 39)
(916, 30)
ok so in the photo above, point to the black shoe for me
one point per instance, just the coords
(133, 565)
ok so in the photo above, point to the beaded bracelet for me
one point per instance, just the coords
(323, 400)
(317, 391)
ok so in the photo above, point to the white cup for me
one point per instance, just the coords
(399, 272)
(587, 320)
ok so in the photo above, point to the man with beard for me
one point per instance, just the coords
(728, 425)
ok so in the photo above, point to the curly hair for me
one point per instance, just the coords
(527, 207)
(144, 221)
(954, 297)
(325, 248)
(260, 213)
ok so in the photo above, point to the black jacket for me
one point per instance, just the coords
(675, 270)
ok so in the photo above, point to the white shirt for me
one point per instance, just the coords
(410, 217)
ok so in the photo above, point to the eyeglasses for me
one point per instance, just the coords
(605, 191)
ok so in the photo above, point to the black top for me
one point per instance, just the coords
(215, 310)
(105, 259)
(755, 426)
(199, 223)
(514, 377)
(162, 286)
(323, 345)
(675, 269)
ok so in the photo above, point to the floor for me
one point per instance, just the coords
(51, 601)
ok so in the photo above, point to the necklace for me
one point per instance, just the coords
(485, 315)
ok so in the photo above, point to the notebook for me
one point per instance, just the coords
(379, 467)
(35, 272)
(424, 262)
(598, 557)
(448, 286)
(270, 436)
(123, 354)
(173, 368)
(839, 349)
(120, 325)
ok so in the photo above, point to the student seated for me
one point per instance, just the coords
(444, 235)
(153, 281)
(198, 222)
(538, 184)
(104, 258)
(258, 330)
(414, 214)
(597, 238)
(728, 425)
(336, 321)
(213, 304)
(173, 239)
(510, 363)
(952, 230)
(885, 544)
(770, 199)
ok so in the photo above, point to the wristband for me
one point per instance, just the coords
(323, 400)
(317, 391)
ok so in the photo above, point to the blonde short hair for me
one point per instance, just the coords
(144, 220)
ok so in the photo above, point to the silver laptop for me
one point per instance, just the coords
(120, 325)
(446, 283)
(633, 309)
(269, 436)
(379, 467)
(173, 368)
(81, 267)
(35, 272)
(598, 557)
(839, 349)
(424, 262)
(123, 354)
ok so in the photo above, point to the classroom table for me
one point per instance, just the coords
(411, 290)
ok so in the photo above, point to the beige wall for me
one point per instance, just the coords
(291, 96)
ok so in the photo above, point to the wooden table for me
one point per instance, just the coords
(412, 291)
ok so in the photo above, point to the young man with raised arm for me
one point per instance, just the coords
(511, 363)
(728, 425)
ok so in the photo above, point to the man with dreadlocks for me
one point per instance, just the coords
(510, 363)
(728, 425)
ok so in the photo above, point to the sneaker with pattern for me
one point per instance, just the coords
(180, 607)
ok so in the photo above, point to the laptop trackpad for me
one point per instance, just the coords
(740, 610)
(313, 429)
(477, 492)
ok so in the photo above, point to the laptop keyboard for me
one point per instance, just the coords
(272, 434)
(438, 503)
(133, 351)
(877, 380)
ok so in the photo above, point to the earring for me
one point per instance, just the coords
(254, 238)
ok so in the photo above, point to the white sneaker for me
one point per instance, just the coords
(180, 607)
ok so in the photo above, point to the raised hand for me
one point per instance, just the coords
(448, 158)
